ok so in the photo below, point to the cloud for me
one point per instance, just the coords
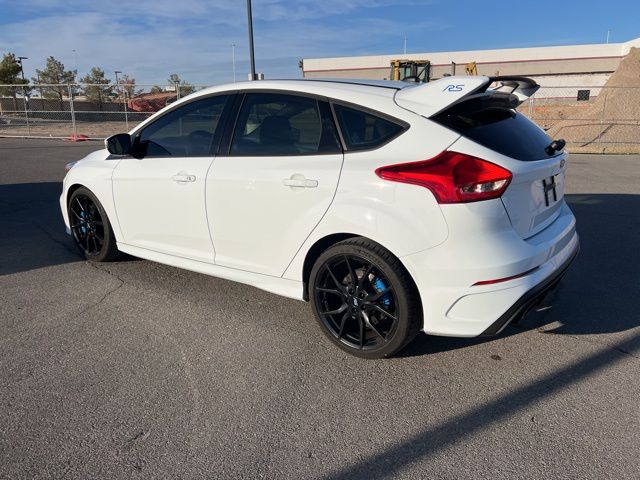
(151, 39)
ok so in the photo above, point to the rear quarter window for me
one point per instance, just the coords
(363, 130)
(503, 130)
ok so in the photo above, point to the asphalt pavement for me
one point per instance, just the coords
(133, 369)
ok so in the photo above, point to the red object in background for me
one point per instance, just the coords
(76, 138)
(151, 102)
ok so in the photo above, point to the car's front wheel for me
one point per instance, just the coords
(90, 227)
(364, 299)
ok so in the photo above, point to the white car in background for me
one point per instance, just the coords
(391, 207)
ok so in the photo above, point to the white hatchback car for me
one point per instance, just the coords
(391, 207)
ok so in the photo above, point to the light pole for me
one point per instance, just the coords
(23, 80)
(25, 99)
(233, 60)
(124, 99)
(252, 61)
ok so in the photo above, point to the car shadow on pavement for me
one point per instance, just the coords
(600, 292)
(32, 233)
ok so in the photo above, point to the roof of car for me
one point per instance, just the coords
(360, 85)
(394, 84)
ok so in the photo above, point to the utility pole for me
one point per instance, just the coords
(252, 61)
(405, 43)
(25, 98)
(608, 34)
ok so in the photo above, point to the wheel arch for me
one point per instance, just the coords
(111, 216)
(72, 189)
(315, 251)
(327, 241)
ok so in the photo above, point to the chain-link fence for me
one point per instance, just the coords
(81, 111)
(590, 119)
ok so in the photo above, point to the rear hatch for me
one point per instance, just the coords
(487, 118)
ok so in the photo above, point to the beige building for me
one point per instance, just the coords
(559, 66)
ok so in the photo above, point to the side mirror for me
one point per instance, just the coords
(119, 144)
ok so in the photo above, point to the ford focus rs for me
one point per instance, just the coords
(391, 207)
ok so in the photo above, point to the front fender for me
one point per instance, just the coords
(93, 172)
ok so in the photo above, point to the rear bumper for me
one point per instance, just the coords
(530, 299)
(448, 276)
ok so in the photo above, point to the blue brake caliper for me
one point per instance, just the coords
(380, 285)
(83, 227)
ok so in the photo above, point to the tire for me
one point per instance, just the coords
(374, 316)
(90, 227)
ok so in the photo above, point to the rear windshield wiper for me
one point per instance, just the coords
(555, 146)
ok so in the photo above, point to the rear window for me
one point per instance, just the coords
(363, 130)
(500, 129)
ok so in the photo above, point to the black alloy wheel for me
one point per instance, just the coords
(90, 227)
(364, 299)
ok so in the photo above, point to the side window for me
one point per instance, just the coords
(276, 124)
(189, 130)
(362, 130)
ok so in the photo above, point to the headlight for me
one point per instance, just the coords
(69, 166)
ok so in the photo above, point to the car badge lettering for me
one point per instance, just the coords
(453, 88)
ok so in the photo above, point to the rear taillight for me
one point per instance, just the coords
(452, 177)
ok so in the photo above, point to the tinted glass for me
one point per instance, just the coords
(189, 130)
(502, 130)
(362, 130)
(274, 124)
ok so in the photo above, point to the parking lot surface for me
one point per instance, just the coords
(133, 369)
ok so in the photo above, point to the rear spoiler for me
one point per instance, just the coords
(431, 98)
(521, 87)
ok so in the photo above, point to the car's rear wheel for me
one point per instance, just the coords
(364, 299)
(90, 227)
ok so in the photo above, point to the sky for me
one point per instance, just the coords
(149, 39)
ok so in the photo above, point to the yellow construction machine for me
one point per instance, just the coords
(471, 68)
(410, 70)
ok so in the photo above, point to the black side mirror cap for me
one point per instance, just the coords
(119, 144)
